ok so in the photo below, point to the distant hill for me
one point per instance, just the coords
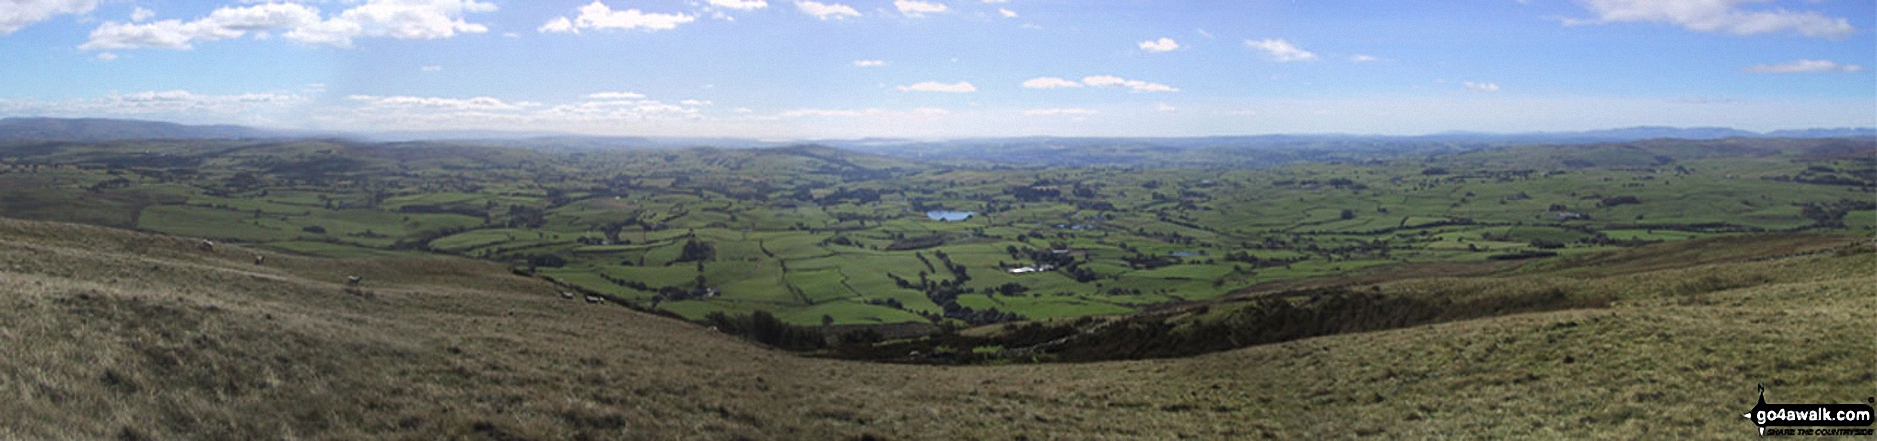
(1208, 151)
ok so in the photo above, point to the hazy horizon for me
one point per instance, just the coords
(847, 69)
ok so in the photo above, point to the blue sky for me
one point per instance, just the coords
(799, 69)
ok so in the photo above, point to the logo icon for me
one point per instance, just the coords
(1807, 415)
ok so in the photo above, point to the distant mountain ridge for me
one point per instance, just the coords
(105, 129)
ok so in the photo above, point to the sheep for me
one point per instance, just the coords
(259, 259)
(566, 295)
(207, 245)
(594, 300)
(353, 280)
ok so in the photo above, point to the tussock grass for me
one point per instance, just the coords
(109, 334)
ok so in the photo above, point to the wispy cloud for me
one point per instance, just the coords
(1480, 87)
(181, 105)
(1281, 50)
(1804, 66)
(861, 113)
(1060, 111)
(1162, 45)
(869, 63)
(1097, 81)
(1716, 16)
(826, 11)
(916, 8)
(400, 19)
(616, 96)
(934, 86)
(1134, 85)
(741, 5)
(18, 14)
(1050, 83)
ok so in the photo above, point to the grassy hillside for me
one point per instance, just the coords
(110, 334)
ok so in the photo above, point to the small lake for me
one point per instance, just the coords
(949, 216)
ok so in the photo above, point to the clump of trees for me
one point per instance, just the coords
(764, 327)
(697, 251)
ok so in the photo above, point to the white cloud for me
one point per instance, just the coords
(431, 68)
(140, 14)
(1202, 32)
(607, 109)
(1162, 45)
(170, 104)
(1360, 58)
(1049, 83)
(401, 19)
(869, 63)
(826, 11)
(597, 15)
(1804, 66)
(616, 96)
(330, 32)
(916, 8)
(797, 113)
(1280, 50)
(106, 56)
(741, 5)
(1007, 13)
(415, 19)
(863, 113)
(1136, 85)
(1481, 87)
(994, 2)
(481, 103)
(1164, 107)
(16, 14)
(222, 24)
(1097, 81)
(166, 34)
(1716, 16)
(934, 86)
(1059, 111)
(559, 25)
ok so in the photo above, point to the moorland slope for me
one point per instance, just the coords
(112, 334)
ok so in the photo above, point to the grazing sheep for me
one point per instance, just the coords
(566, 295)
(594, 300)
(353, 280)
(259, 259)
(207, 245)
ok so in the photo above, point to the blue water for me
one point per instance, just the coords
(949, 216)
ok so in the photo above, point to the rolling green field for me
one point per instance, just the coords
(824, 236)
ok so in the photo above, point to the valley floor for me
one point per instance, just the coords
(111, 334)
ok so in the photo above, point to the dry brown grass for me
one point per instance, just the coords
(108, 334)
